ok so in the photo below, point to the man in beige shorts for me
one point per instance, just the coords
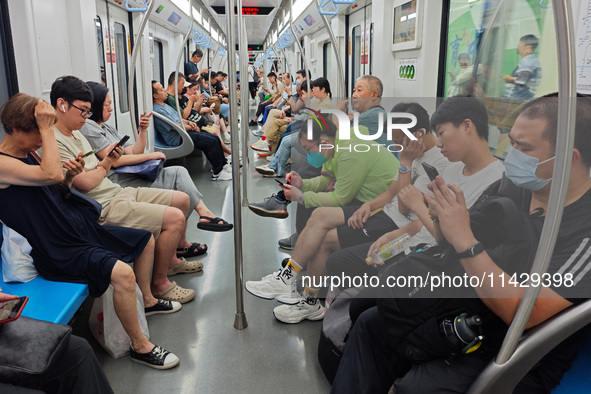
(159, 211)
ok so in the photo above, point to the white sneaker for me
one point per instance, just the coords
(270, 158)
(223, 175)
(261, 145)
(226, 138)
(293, 314)
(269, 288)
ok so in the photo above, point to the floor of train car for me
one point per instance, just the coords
(266, 357)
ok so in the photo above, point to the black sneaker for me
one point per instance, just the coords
(252, 123)
(163, 307)
(158, 358)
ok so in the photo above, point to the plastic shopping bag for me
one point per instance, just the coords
(106, 327)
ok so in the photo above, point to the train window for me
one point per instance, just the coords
(356, 52)
(122, 73)
(326, 56)
(158, 62)
(101, 50)
(507, 65)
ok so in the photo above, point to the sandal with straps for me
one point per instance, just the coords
(194, 250)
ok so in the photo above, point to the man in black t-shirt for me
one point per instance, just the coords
(371, 365)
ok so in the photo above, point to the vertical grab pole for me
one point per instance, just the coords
(240, 322)
(336, 53)
(178, 64)
(244, 97)
(295, 38)
(567, 97)
(134, 54)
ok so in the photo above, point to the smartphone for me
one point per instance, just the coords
(430, 170)
(90, 152)
(279, 182)
(11, 310)
(120, 143)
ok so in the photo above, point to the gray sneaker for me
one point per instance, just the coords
(271, 207)
(289, 242)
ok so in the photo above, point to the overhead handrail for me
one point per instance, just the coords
(136, 46)
(340, 69)
(240, 317)
(326, 3)
(176, 69)
(560, 178)
(133, 9)
(174, 152)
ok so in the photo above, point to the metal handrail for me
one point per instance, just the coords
(560, 179)
(240, 317)
(134, 53)
(295, 38)
(244, 99)
(178, 64)
(335, 50)
(186, 146)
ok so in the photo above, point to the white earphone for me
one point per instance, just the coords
(63, 108)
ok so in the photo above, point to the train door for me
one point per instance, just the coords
(117, 53)
(360, 44)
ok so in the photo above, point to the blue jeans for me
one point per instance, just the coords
(283, 152)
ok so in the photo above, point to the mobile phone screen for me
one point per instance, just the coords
(120, 143)
(11, 310)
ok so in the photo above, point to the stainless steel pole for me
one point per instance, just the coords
(295, 38)
(240, 322)
(244, 100)
(178, 64)
(134, 53)
(335, 49)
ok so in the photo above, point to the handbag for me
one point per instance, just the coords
(147, 170)
(28, 347)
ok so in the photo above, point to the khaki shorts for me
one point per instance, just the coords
(141, 208)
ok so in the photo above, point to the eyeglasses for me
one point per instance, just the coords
(307, 148)
(85, 113)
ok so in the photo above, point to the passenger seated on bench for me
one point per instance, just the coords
(370, 363)
(208, 143)
(191, 109)
(162, 212)
(353, 176)
(101, 136)
(461, 124)
(68, 243)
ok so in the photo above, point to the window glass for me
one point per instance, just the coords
(121, 62)
(504, 53)
(157, 64)
(356, 53)
(101, 50)
(326, 56)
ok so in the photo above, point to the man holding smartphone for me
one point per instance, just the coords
(162, 212)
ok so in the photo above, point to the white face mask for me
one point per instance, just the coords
(521, 170)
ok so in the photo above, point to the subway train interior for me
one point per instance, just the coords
(233, 334)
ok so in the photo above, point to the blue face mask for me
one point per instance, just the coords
(521, 170)
(298, 80)
(315, 159)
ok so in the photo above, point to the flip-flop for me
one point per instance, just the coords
(194, 250)
(213, 224)
(185, 267)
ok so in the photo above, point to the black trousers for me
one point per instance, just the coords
(252, 88)
(211, 146)
(77, 371)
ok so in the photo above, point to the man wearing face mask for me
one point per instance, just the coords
(369, 365)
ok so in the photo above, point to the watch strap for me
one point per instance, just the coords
(472, 251)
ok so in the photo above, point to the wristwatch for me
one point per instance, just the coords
(403, 169)
(472, 251)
